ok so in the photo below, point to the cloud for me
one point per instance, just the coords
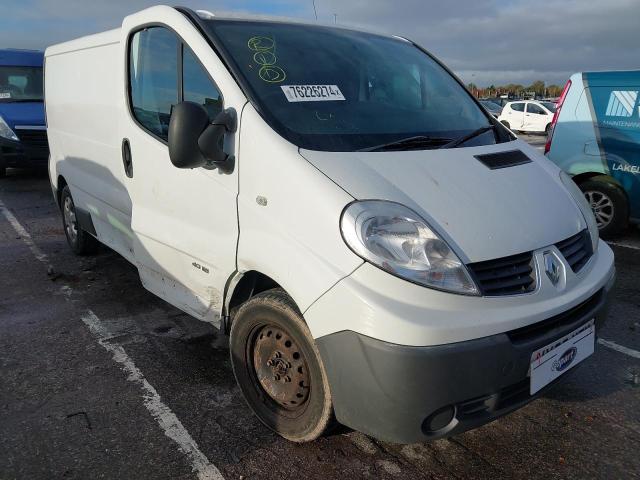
(484, 41)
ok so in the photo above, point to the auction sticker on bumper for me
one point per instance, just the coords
(551, 361)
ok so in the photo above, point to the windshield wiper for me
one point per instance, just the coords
(467, 137)
(409, 143)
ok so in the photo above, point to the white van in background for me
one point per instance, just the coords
(382, 252)
(528, 116)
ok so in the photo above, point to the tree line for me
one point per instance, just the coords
(515, 89)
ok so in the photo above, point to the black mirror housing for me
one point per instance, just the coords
(188, 121)
(194, 142)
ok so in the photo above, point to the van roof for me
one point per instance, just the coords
(22, 58)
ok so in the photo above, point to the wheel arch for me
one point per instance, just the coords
(241, 287)
(584, 176)
(61, 183)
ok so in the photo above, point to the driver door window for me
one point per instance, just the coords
(154, 84)
(153, 77)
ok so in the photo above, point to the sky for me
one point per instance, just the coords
(483, 41)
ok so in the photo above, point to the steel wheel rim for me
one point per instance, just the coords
(280, 368)
(70, 224)
(602, 206)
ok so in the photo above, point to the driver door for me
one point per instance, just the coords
(184, 221)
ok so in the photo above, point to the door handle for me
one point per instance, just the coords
(126, 158)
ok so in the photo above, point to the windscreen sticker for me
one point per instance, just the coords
(5, 94)
(312, 93)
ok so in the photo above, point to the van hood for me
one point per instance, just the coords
(483, 214)
(22, 113)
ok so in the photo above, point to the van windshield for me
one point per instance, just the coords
(334, 89)
(20, 84)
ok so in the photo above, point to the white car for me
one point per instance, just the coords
(528, 116)
(381, 250)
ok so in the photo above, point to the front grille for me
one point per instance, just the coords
(556, 324)
(33, 138)
(577, 250)
(505, 276)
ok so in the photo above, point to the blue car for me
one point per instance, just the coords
(23, 134)
(595, 137)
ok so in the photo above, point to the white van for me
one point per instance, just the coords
(382, 252)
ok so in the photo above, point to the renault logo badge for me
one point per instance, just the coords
(553, 267)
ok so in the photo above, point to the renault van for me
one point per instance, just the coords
(23, 135)
(596, 139)
(381, 251)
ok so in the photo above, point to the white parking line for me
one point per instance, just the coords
(24, 235)
(619, 348)
(171, 425)
(625, 245)
(167, 420)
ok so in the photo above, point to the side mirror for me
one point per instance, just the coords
(195, 142)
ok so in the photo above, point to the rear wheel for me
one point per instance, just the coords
(506, 124)
(547, 129)
(278, 367)
(609, 205)
(81, 242)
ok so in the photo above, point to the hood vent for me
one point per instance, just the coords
(498, 160)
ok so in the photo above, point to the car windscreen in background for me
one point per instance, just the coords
(20, 84)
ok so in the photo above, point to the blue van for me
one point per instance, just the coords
(595, 137)
(23, 134)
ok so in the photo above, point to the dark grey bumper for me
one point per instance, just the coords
(408, 394)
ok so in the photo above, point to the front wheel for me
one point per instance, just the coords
(609, 205)
(278, 367)
(506, 124)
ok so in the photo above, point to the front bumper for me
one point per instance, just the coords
(22, 155)
(407, 394)
(397, 354)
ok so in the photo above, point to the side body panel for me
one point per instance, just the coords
(289, 217)
(83, 107)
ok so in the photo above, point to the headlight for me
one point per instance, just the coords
(584, 206)
(396, 239)
(6, 132)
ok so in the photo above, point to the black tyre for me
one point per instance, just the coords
(506, 124)
(547, 129)
(3, 172)
(81, 242)
(278, 367)
(609, 204)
